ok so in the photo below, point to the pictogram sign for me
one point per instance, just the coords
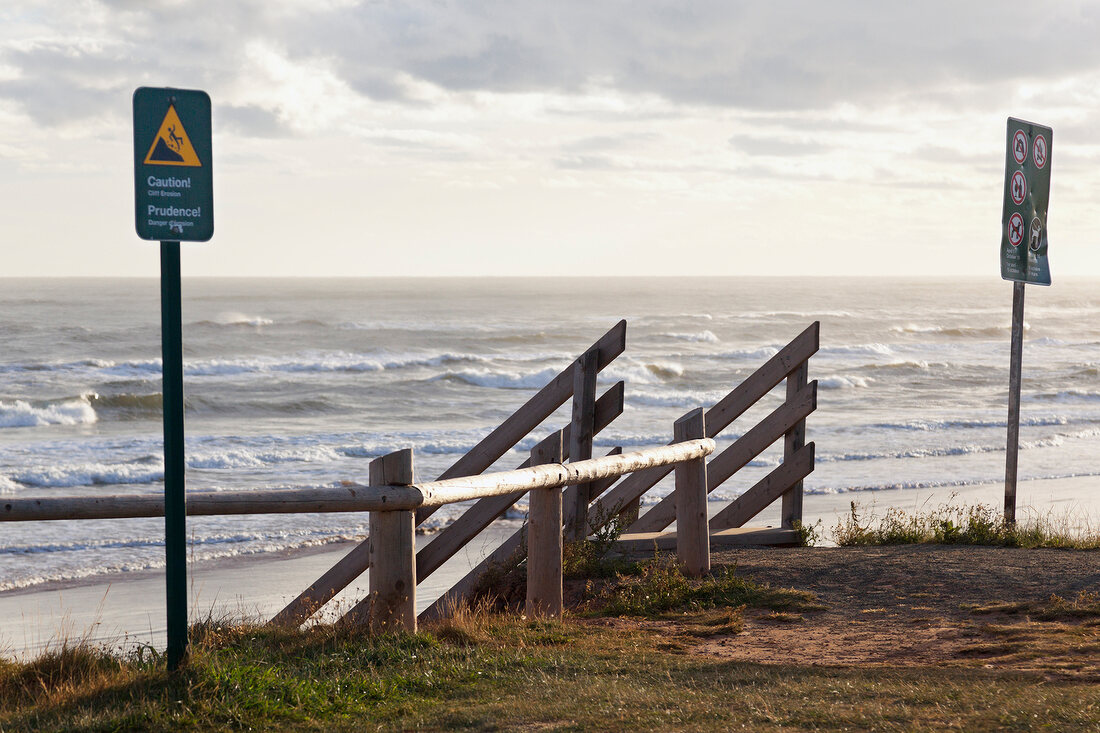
(1015, 229)
(1026, 200)
(1039, 152)
(172, 146)
(1035, 236)
(1019, 187)
(1019, 146)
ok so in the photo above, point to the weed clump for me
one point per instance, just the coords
(952, 524)
(808, 534)
(660, 586)
(1085, 606)
(591, 557)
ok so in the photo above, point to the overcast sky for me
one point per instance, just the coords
(565, 137)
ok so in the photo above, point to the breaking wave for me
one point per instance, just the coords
(23, 414)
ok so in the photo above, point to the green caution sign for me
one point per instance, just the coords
(1026, 198)
(173, 179)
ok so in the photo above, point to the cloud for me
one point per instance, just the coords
(250, 120)
(778, 147)
(744, 55)
(749, 55)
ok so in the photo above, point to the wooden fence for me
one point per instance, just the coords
(599, 490)
(787, 422)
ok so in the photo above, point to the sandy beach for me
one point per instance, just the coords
(127, 610)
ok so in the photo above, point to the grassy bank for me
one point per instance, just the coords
(627, 659)
(568, 676)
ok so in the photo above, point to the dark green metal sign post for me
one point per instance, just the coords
(175, 501)
(1023, 260)
(173, 194)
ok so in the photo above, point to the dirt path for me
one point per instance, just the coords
(915, 605)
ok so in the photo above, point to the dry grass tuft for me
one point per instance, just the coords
(464, 624)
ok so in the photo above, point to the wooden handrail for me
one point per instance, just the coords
(358, 498)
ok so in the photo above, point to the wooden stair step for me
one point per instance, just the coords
(735, 537)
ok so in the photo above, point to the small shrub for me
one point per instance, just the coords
(660, 586)
(851, 531)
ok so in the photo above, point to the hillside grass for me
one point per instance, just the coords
(490, 671)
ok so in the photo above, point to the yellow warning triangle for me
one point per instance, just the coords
(172, 146)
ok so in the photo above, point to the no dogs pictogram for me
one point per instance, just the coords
(1018, 187)
(1015, 229)
(1019, 147)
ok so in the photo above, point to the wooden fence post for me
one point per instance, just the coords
(692, 535)
(544, 538)
(793, 441)
(581, 431)
(392, 578)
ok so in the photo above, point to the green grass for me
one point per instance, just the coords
(952, 524)
(658, 586)
(489, 671)
(505, 672)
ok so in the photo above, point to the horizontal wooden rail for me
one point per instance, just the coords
(357, 498)
(552, 475)
(276, 501)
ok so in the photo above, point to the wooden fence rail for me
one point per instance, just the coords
(373, 498)
(391, 603)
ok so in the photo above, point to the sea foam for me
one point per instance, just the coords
(22, 414)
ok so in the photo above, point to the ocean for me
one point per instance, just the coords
(300, 382)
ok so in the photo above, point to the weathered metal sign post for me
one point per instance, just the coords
(1023, 258)
(174, 202)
